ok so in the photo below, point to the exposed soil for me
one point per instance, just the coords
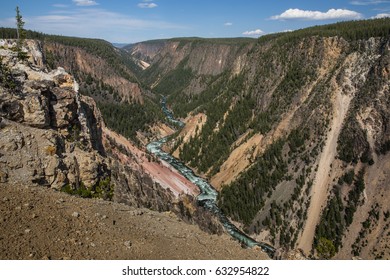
(319, 191)
(160, 172)
(39, 223)
(238, 160)
(193, 125)
(377, 190)
(243, 151)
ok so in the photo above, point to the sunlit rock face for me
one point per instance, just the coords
(45, 138)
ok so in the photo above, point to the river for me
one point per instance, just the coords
(208, 195)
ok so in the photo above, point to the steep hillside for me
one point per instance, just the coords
(106, 75)
(294, 126)
(187, 65)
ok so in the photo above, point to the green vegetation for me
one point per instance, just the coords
(116, 58)
(293, 81)
(354, 196)
(12, 33)
(234, 105)
(127, 119)
(124, 118)
(176, 80)
(352, 141)
(372, 220)
(385, 147)
(325, 249)
(296, 140)
(215, 143)
(220, 41)
(280, 70)
(21, 34)
(332, 224)
(347, 178)
(182, 104)
(98, 90)
(243, 198)
(281, 213)
(350, 30)
(6, 78)
(103, 189)
(337, 216)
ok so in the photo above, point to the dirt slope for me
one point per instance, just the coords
(39, 223)
(160, 172)
(319, 190)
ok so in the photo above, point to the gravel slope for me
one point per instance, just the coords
(38, 223)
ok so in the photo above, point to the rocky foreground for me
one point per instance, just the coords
(39, 223)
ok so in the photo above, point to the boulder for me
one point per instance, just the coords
(64, 107)
(36, 111)
(11, 109)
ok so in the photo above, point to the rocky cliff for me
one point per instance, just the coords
(186, 65)
(91, 68)
(202, 56)
(48, 135)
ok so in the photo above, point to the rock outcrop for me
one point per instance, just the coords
(46, 136)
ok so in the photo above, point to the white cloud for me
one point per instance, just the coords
(254, 33)
(228, 24)
(365, 3)
(147, 5)
(383, 15)
(85, 2)
(317, 15)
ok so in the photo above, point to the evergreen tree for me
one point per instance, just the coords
(325, 249)
(21, 33)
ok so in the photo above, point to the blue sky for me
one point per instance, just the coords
(130, 21)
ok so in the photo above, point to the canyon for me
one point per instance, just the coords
(276, 125)
(290, 129)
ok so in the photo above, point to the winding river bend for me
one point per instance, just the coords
(208, 195)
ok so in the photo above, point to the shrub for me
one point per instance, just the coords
(325, 249)
(50, 150)
(103, 189)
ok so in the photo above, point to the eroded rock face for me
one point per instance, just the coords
(64, 107)
(35, 110)
(49, 134)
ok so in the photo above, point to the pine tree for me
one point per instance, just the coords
(21, 33)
